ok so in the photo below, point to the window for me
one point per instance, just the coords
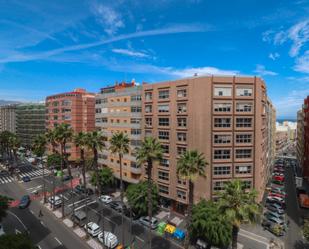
(135, 120)
(164, 122)
(135, 142)
(165, 148)
(98, 101)
(136, 109)
(163, 108)
(222, 154)
(55, 103)
(65, 110)
(136, 98)
(148, 96)
(135, 131)
(181, 136)
(181, 181)
(223, 91)
(243, 169)
(181, 194)
(104, 120)
(222, 139)
(148, 108)
(181, 93)
(164, 94)
(182, 122)
(55, 110)
(181, 150)
(243, 138)
(163, 189)
(243, 122)
(222, 107)
(247, 184)
(222, 170)
(163, 175)
(55, 117)
(218, 186)
(243, 153)
(148, 133)
(66, 102)
(244, 107)
(104, 100)
(164, 135)
(182, 108)
(164, 162)
(66, 117)
(222, 122)
(241, 91)
(98, 110)
(148, 121)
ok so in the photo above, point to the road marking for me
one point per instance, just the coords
(78, 202)
(58, 240)
(32, 212)
(255, 239)
(80, 207)
(39, 247)
(18, 219)
(253, 234)
(139, 238)
(43, 224)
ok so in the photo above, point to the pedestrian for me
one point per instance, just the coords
(40, 213)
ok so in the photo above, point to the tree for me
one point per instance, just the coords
(51, 139)
(39, 147)
(137, 195)
(306, 229)
(4, 206)
(4, 138)
(190, 165)
(54, 160)
(149, 152)
(209, 225)
(120, 144)
(239, 206)
(80, 140)
(16, 241)
(14, 144)
(95, 142)
(106, 177)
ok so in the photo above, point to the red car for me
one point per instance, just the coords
(279, 178)
(274, 194)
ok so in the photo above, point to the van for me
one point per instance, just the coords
(79, 217)
(57, 202)
(110, 239)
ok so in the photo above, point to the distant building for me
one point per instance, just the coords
(305, 160)
(30, 122)
(8, 118)
(119, 109)
(76, 108)
(300, 137)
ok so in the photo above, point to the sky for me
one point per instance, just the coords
(48, 47)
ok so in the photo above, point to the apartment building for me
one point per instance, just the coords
(8, 118)
(300, 137)
(119, 109)
(30, 122)
(76, 108)
(225, 118)
(306, 139)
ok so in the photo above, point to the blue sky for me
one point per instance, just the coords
(54, 46)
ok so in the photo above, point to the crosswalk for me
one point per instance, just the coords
(6, 178)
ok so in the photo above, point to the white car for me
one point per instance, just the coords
(110, 239)
(93, 229)
(1, 230)
(57, 202)
(106, 199)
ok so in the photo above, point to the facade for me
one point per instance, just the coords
(282, 138)
(119, 109)
(8, 118)
(30, 122)
(300, 137)
(76, 108)
(225, 118)
(306, 139)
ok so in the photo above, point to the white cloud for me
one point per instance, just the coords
(274, 56)
(189, 72)
(261, 70)
(302, 63)
(130, 52)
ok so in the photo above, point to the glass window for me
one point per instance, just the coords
(222, 139)
(164, 122)
(181, 136)
(136, 98)
(181, 150)
(222, 122)
(243, 91)
(222, 170)
(164, 135)
(136, 120)
(98, 101)
(181, 108)
(66, 102)
(222, 154)
(182, 122)
(243, 153)
(243, 122)
(165, 148)
(136, 109)
(148, 108)
(247, 184)
(135, 131)
(243, 138)
(164, 94)
(148, 96)
(222, 107)
(98, 110)
(244, 107)
(181, 93)
(218, 186)
(223, 91)
(163, 175)
(66, 117)
(243, 169)
(164, 162)
(163, 108)
(181, 194)
(163, 189)
(148, 121)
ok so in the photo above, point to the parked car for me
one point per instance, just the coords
(106, 199)
(277, 182)
(146, 222)
(276, 199)
(79, 217)
(24, 201)
(280, 188)
(26, 179)
(56, 202)
(79, 189)
(275, 205)
(117, 205)
(274, 194)
(274, 214)
(275, 220)
(278, 178)
(93, 229)
(110, 239)
(274, 228)
(275, 209)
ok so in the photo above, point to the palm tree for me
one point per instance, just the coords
(190, 165)
(239, 206)
(80, 140)
(51, 139)
(39, 147)
(14, 144)
(63, 134)
(149, 152)
(120, 144)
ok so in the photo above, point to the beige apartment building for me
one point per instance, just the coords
(229, 119)
(8, 118)
(119, 109)
(76, 108)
